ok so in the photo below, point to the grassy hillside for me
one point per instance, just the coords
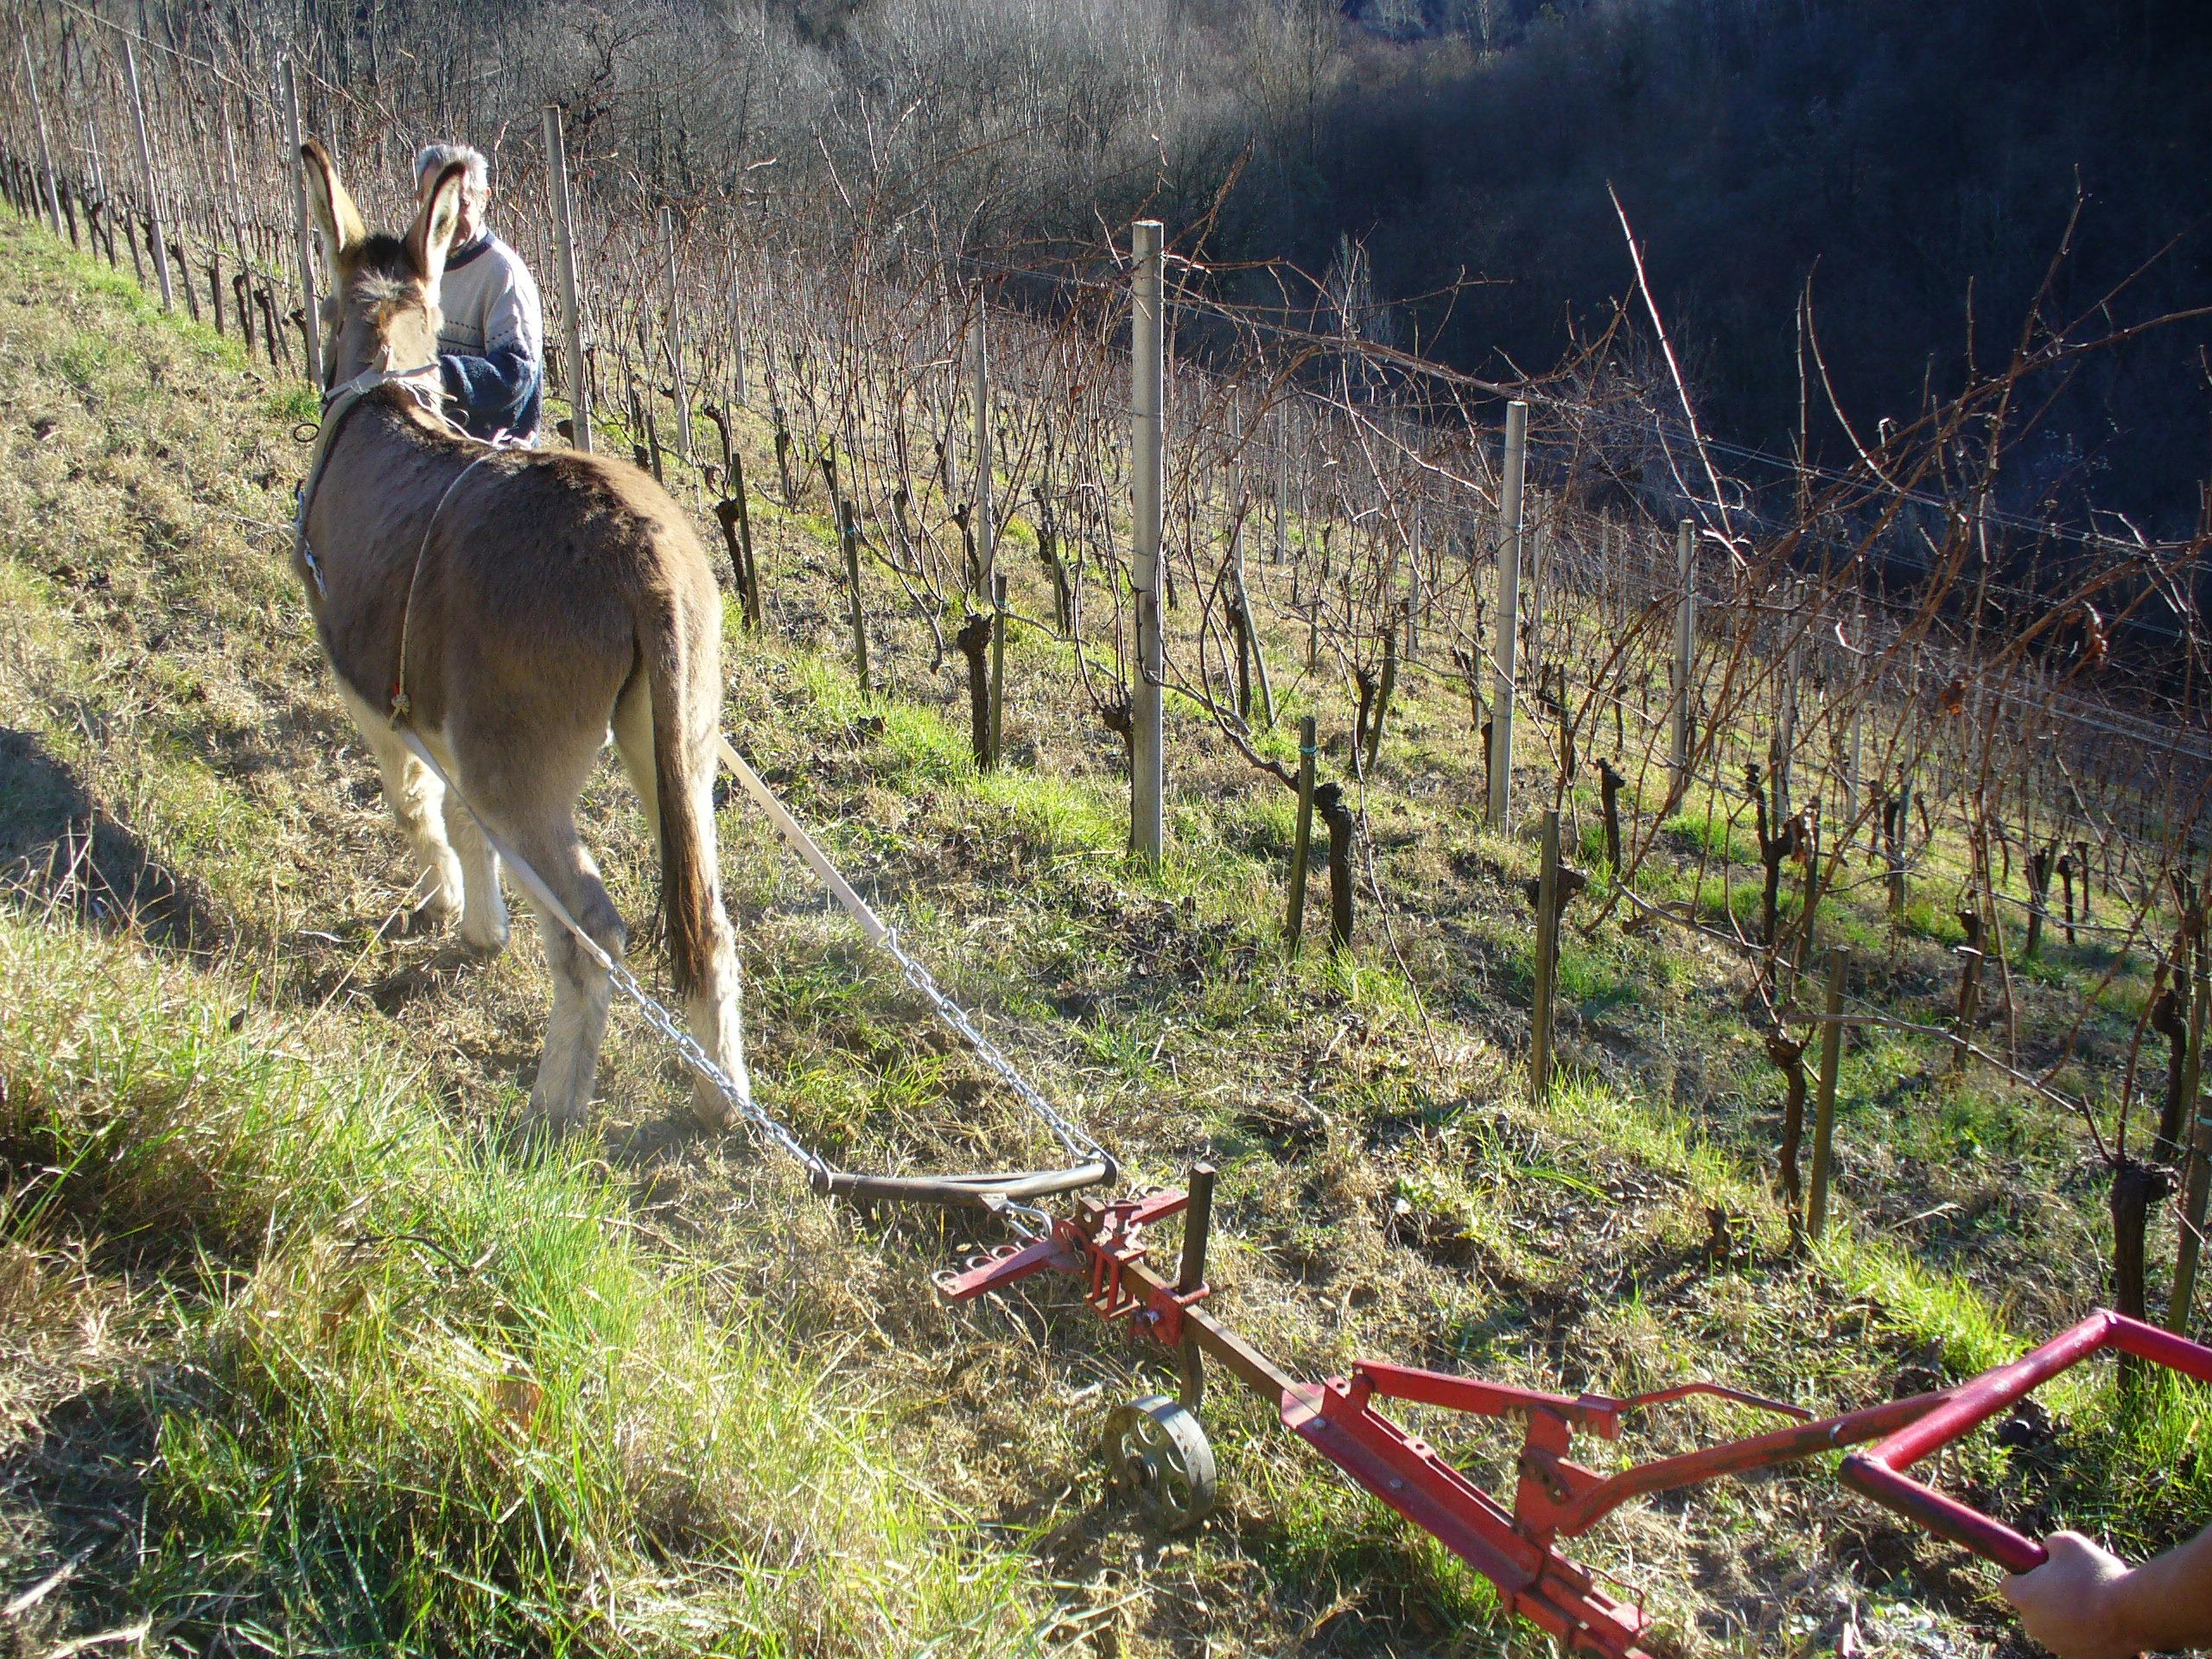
(301, 1353)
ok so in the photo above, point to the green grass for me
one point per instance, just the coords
(424, 1393)
(295, 403)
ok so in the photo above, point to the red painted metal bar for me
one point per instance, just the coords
(1589, 1505)
(1593, 1412)
(1405, 1473)
(1103, 1243)
(1879, 1473)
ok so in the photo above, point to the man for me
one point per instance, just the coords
(2086, 1602)
(491, 349)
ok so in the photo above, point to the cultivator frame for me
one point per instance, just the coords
(1157, 1448)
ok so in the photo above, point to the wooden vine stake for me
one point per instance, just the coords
(1785, 719)
(986, 527)
(52, 204)
(683, 392)
(303, 232)
(556, 166)
(998, 669)
(849, 532)
(1302, 846)
(1505, 616)
(1548, 908)
(154, 238)
(1678, 780)
(2196, 1188)
(1816, 1198)
(1329, 801)
(1970, 957)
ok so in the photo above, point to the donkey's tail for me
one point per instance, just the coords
(679, 669)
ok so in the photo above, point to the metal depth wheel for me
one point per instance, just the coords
(1156, 1451)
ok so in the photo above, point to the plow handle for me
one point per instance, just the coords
(1879, 1473)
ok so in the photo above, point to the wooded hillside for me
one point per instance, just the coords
(1918, 165)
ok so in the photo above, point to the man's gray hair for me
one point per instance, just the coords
(435, 158)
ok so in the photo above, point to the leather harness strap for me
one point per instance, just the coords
(337, 404)
(400, 706)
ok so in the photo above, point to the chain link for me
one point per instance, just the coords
(687, 1046)
(1072, 1139)
(623, 980)
(1078, 1144)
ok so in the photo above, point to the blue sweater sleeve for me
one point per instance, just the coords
(494, 391)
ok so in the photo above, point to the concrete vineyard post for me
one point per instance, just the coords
(1678, 782)
(1816, 1197)
(986, 530)
(1148, 355)
(556, 168)
(1539, 1012)
(1506, 615)
(52, 202)
(675, 340)
(154, 200)
(1301, 847)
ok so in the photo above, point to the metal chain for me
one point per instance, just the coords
(687, 1046)
(623, 980)
(1077, 1143)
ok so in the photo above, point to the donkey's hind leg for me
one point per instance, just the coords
(711, 1011)
(577, 1025)
(417, 801)
(632, 728)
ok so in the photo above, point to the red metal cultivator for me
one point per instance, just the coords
(1155, 1448)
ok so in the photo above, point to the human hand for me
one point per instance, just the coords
(2071, 1604)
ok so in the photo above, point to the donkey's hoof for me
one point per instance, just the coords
(539, 1123)
(484, 942)
(716, 1114)
(429, 917)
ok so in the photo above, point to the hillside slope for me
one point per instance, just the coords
(300, 1353)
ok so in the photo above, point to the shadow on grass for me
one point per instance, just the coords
(60, 847)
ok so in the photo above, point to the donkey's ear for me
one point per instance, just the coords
(337, 220)
(430, 238)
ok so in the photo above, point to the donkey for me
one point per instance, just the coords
(510, 608)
